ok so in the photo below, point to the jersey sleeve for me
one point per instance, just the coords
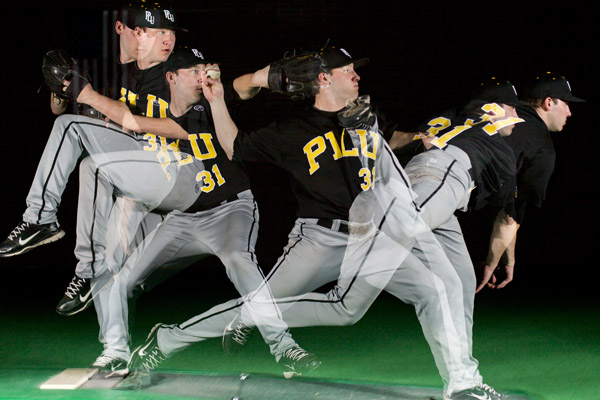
(386, 126)
(262, 145)
(535, 175)
(232, 100)
(505, 198)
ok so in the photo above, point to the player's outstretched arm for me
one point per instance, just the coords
(226, 129)
(120, 113)
(502, 248)
(248, 85)
(400, 138)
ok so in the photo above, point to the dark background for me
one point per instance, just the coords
(424, 59)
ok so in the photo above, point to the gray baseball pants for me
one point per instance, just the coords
(229, 232)
(121, 161)
(443, 184)
(363, 264)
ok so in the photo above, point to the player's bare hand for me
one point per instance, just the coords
(507, 276)
(212, 88)
(485, 276)
(427, 139)
(494, 277)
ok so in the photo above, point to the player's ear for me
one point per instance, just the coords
(119, 27)
(547, 104)
(324, 79)
(170, 77)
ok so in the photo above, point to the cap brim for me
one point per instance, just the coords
(573, 99)
(360, 62)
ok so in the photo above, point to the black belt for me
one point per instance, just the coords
(328, 223)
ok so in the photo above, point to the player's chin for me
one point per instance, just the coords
(165, 54)
(557, 127)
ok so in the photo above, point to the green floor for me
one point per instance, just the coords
(547, 349)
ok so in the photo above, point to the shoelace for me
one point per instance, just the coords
(74, 286)
(488, 388)
(103, 360)
(295, 353)
(241, 333)
(154, 358)
(18, 230)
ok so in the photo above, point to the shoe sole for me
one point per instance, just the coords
(57, 236)
(118, 373)
(87, 304)
(311, 367)
(109, 372)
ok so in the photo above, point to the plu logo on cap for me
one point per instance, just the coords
(169, 16)
(197, 53)
(149, 17)
(568, 85)
(345, 52)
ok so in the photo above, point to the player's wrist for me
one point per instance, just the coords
(86, 96)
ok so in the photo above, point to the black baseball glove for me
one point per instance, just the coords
(62, 76)
(358, 114)
(295, 74)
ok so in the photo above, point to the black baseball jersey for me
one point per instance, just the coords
(493, 164)
(147, 94)
(145, 90)
(220, 178)
(324, 166)
(534, 150)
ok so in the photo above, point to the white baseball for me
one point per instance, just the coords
(213, 73)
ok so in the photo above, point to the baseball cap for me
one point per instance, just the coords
(497, 91)
(550, 85)
(184, 57)
(338, 57)
(157, 18)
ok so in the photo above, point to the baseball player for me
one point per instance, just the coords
(546, 110)
(333, 178)
(143, 89)
(222, 221)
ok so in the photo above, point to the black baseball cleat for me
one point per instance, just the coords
(235, 336)
(479, 392)
(27, 236)
(145, 358)
(297, 361)
(110, 363)
(77, 298)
